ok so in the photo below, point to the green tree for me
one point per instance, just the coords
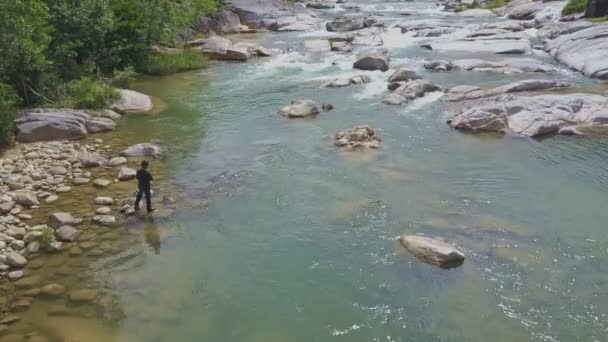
(24, 39)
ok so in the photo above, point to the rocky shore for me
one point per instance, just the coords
(58, 160)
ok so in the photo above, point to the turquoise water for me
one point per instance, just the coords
(297, 242)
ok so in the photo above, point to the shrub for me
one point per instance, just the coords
(86, 93)
(8, 105)
(168, 63)
(122, 78)
(574, 6)
(47, 237)
(495, 4)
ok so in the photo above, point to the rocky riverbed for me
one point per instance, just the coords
(67, 188)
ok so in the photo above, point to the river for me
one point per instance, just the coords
(295, 240)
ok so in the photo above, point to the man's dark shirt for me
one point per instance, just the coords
(143, 178)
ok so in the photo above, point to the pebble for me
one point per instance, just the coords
(51, 199)
(104, 200)
(102, 183)
(63, 189)
(15, 260)
(103, 210)
(15, 275)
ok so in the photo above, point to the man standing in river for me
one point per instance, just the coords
(143, 179)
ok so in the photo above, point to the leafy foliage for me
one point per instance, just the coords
(86, 93)
(8, 105)
(168, 63)
(574, 6)
(47, 237)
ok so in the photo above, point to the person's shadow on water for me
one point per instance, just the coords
(152, 235)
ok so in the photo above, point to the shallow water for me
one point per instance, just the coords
(286, 239)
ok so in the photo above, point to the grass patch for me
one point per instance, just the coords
(574, 6)
(598, 20)
(47, 237)
(170, 63)
(85, 93)
(8, 106)
(489, 6)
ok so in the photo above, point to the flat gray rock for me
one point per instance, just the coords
(433, 250)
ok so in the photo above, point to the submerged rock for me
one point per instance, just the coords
(66, 233)
(438, 65)
(373, 59)
(52, 290)
(104, 220)
(404, 92)
(433, 250)
(144, 149)
(57, 220)
(300, 109)
(360, 136)
(345, 82)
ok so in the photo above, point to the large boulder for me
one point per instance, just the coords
(222, 49)
(132, 102)
(433, 250)
(300, 109)
(143, 149)
(532, 116)
(510, 65)
(51, 124)
(582, 47)
(519, 86)
(497, 46)
(523, 9)
(373, 59)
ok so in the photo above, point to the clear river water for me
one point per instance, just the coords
(296, 241)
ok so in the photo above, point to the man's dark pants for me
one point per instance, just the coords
(148, 198)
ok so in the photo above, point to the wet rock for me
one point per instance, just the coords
(15, 260)
(345, 24)
(300, 109)
(438, 65)
(118, 161)
(327, 107)
(320, 5)
(408, 91)
(53, 290)
(345, 82)
(21, 305)
(55, 246)
(222, 49)
(403, 74)
(519, 86)
(62, 189)
(50, 124)
(104, 200)
(104, 220)
(126, 173)
(463, 89)
(83, 295)
(58, 310)
(66, 233)
(51, 199)
(511, 65)
(57, 220)
(58, 171)
(582, 47)
(103, 210)
(15, 275)
(90, 159)
(101, 183)
(75, 251)
(132, 102)
(98, 125)
(569, 130)
(357, 137)
(534, 115)
(25, 198)
(6, 207)
(33, 247)
(523, 10)
(373, 59)
(495, 44)
(433, 250)
(80, 181)
(341, 46)
(143, 149)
